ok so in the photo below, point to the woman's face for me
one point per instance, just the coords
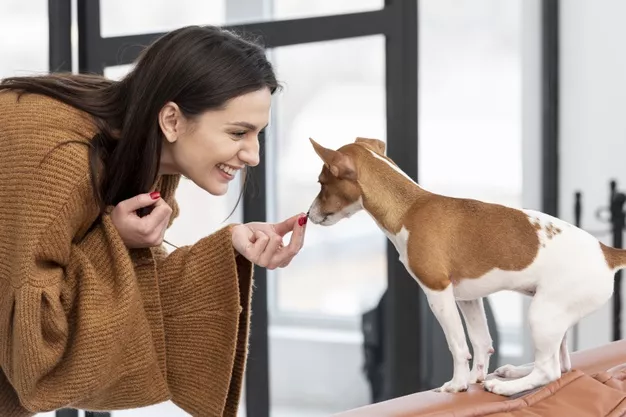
(212, 148)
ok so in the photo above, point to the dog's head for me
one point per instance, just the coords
(340, 196)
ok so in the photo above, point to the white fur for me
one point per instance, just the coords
(568, 279)
(318, 217)
(394, 167)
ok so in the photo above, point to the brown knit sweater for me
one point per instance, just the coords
(87, 323)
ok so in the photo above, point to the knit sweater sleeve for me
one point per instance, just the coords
(206, 289)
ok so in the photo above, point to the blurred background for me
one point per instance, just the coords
(482, 132)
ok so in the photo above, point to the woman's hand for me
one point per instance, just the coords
(262, 243)
(146, 231)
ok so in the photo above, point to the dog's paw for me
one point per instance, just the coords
(504, 388)
(500, 387)
(491, 385)
(453, 386)
(512, 371)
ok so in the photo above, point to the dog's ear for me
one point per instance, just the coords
(339, 164)
(376, 144)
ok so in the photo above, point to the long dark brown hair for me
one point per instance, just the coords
(199, 68)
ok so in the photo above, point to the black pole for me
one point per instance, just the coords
(59, 35)
(617, 220)
(405, 304)
(258, 367)
(578, 209)
(67, 412)
(550, 105)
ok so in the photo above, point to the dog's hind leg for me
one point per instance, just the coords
(547, 336)
(513, 372)
(476, 322)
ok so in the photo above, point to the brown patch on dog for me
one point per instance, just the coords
(336, 193)
(448, 237)
(615, 258)
(343, 181)
(551, 230)
(466, 239)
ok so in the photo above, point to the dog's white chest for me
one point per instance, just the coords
(400, 241)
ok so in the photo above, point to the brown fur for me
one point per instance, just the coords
(455, 238)
(615, 258)
(450, 238)
(552, 230)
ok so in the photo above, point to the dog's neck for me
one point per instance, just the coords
(388, 193)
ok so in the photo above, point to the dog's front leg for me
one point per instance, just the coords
(478, 330)
(444, 307)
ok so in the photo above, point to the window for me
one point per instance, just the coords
(293, 9)
(334, 92)
(339, 82)
(121, 17)
(470, 115)
(23, 37)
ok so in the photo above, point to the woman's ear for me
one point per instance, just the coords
(170, 121)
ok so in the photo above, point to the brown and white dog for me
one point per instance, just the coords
(461, 250)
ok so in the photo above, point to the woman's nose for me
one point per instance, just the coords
(250, 154)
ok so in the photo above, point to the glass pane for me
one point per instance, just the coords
(23, 37)
(202, 213)
(470, 115)
(334, 92)
(121, 17)
(295, 9)
(117, 72)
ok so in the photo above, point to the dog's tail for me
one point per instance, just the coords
(615, 258)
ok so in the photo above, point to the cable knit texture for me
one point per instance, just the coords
(87, 323)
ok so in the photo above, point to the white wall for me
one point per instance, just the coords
(593, 129)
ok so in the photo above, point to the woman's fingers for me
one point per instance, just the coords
(262, 243)
(257, 246)
(267, 258)
(283, 256)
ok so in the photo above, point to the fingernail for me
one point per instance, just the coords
(302, 220)
(155, 195)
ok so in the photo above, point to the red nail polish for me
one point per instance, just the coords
(302, 221)
(155, 195)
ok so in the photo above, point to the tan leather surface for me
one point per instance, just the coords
(596, 387)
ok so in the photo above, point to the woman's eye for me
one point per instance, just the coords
(239, 135)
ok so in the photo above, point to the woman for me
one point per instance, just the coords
(93, 313)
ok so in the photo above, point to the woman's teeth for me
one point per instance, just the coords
(227, 169)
